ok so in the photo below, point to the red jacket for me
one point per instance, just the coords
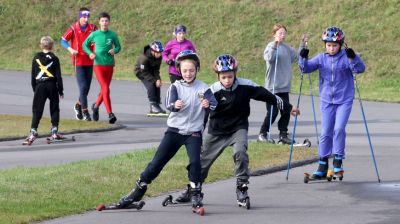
(77, 37)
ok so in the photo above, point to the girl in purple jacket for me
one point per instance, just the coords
(173, 48)
(336, 89)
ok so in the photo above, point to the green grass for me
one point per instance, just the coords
(241, 28)
(34, 194)
(13, 126)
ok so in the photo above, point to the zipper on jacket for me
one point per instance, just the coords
(332, 79)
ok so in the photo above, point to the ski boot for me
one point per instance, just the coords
(95, 112)
(31, 137)
(321, 173)
(283, 138)
(156, 111)
(243, 198)
(337, 168)
(134, 196)
(196, 198)
(183, 198)
(78, 111)
(55, 136)
(112, 118)
(263, 137)
(86, 115)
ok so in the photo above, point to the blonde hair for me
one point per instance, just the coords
(46, 43)
(277, 27)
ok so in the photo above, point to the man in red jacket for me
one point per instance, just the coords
(83, 65)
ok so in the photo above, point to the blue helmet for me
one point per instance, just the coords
(156, 46)
(180, 28)
(225, 63)
(187, 54)
(333, 34)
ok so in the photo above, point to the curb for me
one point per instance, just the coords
(116, 127)
(281, 167)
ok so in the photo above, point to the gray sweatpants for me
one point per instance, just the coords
(214, 145)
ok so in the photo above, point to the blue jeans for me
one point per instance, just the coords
(168, 147)
(84, 76)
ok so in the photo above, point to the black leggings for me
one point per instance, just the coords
(168, 147)
(283, 122)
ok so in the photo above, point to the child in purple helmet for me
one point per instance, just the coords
(147, 69)
(172, 49)
(336, 90)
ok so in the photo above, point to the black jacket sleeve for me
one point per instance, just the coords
(144, 70)
(33, 73)
(60, 86)
(261, 94)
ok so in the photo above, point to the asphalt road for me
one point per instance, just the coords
(358, 199)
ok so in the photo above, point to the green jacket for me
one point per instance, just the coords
(103, 42)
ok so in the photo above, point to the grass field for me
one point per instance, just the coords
(241, 28)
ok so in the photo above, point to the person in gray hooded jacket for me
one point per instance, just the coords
(279, 57)
(187, 99)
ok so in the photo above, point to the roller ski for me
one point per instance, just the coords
(31, 137)
(135, 205)
(196, 198)
(285, 140)
(131, 201)
(320, 174)
(337, 172)
(184, 198)
(57, 138)
(243, 198)
(157, 111)
(306, 144)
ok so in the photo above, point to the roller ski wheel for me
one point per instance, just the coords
(51, 140)
(309, 178)
(27, 142)
(170, 200)
(334, 176)
(245, 203)
(136, 205)
(198, 210)
(157, 115)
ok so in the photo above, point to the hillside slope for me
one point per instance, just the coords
(241, 28)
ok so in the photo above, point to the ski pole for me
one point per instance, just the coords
(294, 128)
(313, 108)
(273, 91)
(365, 120)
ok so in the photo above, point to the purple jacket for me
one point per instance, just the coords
(172, 49)
(336, 84)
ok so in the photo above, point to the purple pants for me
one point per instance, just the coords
(334, 118)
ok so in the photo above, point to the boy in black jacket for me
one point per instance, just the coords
(46, 84)
(228, 123)
(147, 69)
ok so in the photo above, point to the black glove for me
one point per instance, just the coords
(304, 53)
(350, 53)
(170, 62)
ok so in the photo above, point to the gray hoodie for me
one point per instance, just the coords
(190, 118)
(283, 79)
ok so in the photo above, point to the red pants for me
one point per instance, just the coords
(104, 75)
